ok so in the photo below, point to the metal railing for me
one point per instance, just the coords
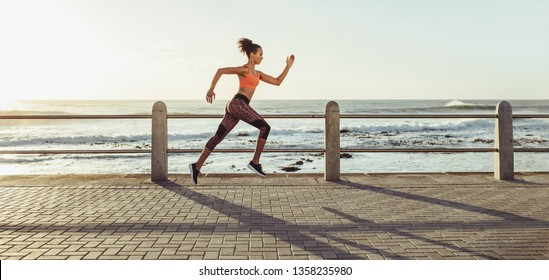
(503, 149)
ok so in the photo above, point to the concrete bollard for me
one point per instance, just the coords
(504, 166)
(159, 155)
(331, 143)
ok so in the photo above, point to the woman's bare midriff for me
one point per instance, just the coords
(248, 92)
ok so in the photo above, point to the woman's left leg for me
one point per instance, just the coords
(258, 150)
(227, 124)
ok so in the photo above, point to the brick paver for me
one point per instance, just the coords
(364, 216)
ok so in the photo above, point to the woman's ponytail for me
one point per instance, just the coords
(247, 46)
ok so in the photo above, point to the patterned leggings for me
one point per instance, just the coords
(238, 109)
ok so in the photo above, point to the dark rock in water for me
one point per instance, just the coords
(387, 133)
(345, 155)
(395, 143)
(299, 162)
(290, 169)
(243, 134)
(344, 131)
(487, 141)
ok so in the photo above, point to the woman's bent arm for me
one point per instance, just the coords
(278, 80)
(210, 96)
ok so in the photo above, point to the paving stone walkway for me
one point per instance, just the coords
(364, 216)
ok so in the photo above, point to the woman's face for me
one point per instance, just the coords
(257, 56)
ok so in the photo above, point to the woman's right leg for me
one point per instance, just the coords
(245, 112)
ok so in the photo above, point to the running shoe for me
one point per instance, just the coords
(257, 169)
(194, 172)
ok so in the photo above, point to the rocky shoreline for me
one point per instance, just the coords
(294, 167)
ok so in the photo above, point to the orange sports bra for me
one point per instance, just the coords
(250, 81)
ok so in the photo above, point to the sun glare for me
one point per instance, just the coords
(10, 105)
(51, 53)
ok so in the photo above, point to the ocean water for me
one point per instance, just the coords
(285, 133)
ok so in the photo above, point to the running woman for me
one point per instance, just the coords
(239, 107)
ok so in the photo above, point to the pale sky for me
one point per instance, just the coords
(170, 49)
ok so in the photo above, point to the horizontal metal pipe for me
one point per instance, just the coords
(173, 116)
(421, 150)
(58, 152)
(535, 116)
(395, 150)
(278, 116)
(418, 116)
(182, 151)
(71, 117)
(531, 150)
